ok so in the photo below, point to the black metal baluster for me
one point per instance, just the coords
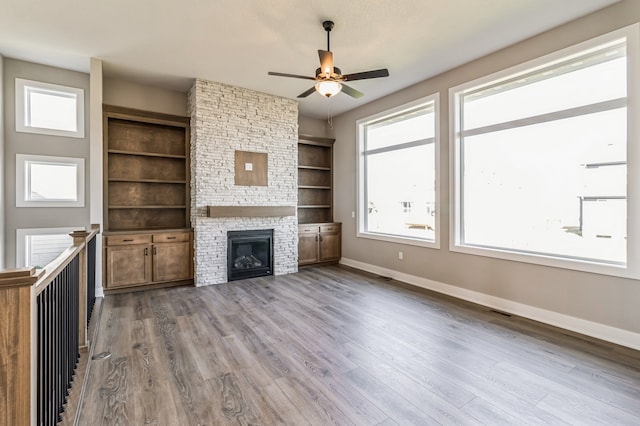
(91, 277)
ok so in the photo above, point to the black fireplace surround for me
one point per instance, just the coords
(249, 254)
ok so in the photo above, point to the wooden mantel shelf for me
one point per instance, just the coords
(250, 211)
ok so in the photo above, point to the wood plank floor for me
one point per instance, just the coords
(330, 345)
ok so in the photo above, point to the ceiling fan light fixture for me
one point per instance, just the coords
(328, 88)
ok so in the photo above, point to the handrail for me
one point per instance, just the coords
(53, 268)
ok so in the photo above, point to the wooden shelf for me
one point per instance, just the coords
(318, 206)
(313, 187)
(145, 154)
(146, 180)
(147, 207)
(315, 168)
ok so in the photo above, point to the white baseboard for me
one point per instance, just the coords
(578, 325)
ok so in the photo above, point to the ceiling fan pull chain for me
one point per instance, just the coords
(329, 117)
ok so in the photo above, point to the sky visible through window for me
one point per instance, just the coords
(51, 110)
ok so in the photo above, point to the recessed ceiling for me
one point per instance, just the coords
(167, 43)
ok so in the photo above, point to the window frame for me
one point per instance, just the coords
(632, 267)
(361, 174)
(22, 87)
(22, 181)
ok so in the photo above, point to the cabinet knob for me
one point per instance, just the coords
(146, 251)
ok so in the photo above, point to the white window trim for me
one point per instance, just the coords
(21, 181)
(21, 108)
(22, 256)
(632, 269)
(361, 233)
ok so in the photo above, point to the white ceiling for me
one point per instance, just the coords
(166, 43)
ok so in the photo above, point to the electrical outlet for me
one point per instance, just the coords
(353, 215)
(400, 255)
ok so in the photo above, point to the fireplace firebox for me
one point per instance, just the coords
(249, 254)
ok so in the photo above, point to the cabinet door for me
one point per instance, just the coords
(171, 261)
(128, 265)
(329, 246)
(307, 248)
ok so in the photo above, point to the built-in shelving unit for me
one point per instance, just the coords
(146, 170)
(315, 179)
(147, 240)
(319, 238)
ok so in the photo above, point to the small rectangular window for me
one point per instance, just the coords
(43, 181)
(49, 109)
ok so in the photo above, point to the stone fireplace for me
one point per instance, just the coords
(226, 119)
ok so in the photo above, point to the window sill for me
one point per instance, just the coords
(582, 265)
(434, 244)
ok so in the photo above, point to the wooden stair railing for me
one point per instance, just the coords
(43, 325)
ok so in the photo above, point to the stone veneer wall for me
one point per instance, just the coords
(225, 119)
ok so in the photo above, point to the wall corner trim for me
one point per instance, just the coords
(578, 325)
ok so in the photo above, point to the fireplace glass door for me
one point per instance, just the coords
(249, 254)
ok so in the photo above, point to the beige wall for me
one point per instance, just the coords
(312, 126)
(604, 300)
(147, 98)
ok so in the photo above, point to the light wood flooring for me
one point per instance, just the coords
(330, 345)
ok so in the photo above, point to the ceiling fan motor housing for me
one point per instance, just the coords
(320, 73)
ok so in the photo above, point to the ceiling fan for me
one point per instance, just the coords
(329, 79)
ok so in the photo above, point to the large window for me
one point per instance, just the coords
(542, 155)
(49, 109)
(398, 174)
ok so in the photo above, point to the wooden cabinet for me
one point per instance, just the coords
(133, 260)
(171, 256)
(146, 168)
(319, 243)
(128, 265)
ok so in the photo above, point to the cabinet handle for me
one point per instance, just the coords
(316, 238)
(320, 237)
(146, 251)
(171, 238)
(154, 251)
(127, 241)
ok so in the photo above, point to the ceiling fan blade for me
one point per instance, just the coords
(307, 93)
(351, 91)
(367, 74)
(326, 61)
(281, 74)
